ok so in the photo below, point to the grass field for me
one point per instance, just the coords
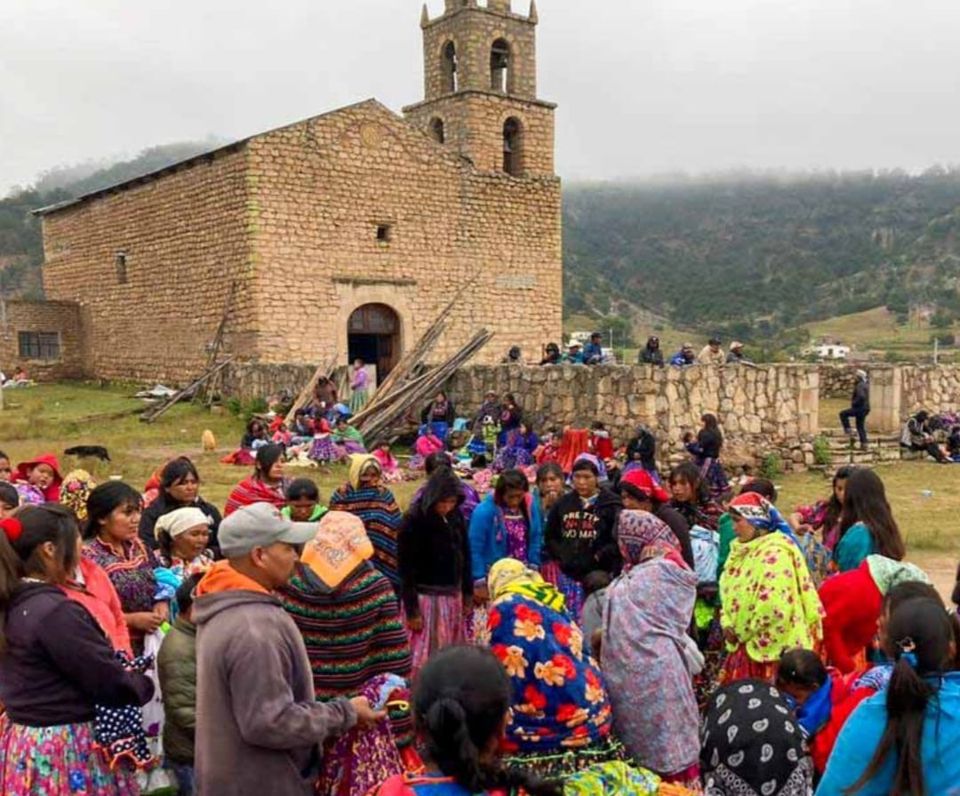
(51, 418)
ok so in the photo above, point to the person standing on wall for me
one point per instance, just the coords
(859, 409)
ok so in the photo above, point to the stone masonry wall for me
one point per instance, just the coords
(837, 381)
(321, 188)
(771, 409)
(184, 237)
(934, 388)
(60, 317)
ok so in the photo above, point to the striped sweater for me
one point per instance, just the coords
(352, 633)
(381, 516)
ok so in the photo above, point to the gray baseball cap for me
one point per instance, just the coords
(260, 525)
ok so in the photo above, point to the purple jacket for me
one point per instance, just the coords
(58, 662)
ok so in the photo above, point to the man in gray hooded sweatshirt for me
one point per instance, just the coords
(259, 727)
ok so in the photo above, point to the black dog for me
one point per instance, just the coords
(91, 451)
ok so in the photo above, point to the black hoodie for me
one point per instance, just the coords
(434, 551)
(583, 539)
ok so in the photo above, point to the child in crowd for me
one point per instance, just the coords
(303, 427)
(6, 470)
(38, 480)
(392, 474)
(601, 444)
(322, 449)
(303, 501)
(9, 499)
(459, 705)
(549, 450)
(283, 435)
(177, 670)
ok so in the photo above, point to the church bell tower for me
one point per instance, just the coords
(480, 84)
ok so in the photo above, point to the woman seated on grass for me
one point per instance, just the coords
(265, 485)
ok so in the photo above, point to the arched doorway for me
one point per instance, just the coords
(373, 335)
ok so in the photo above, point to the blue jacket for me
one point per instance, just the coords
(593, 353)
(861, 735)
(488, 536)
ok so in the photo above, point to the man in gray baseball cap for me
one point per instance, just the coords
(258, 722)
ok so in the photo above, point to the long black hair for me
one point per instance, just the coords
(689, 473)
(865, 500)
(460, 703)
(176, 471)
(31, 527)
(834, 506)
(102, 502)
(918, 638)
(711, 424)
(265, 458)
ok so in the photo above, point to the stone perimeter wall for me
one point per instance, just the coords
(761, 410)
(772, 409)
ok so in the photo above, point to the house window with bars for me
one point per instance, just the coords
(39, 345)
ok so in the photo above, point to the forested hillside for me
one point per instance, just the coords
(754, 255)
(21, 249)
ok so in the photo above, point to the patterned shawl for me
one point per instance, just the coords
(769, 600)
(643, 536)
(645, 636)
(888, 573)
(752, 744)
(559, 702)
(381, 516)
(252, 490)
(509, 576)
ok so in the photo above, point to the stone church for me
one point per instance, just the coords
(347, 231)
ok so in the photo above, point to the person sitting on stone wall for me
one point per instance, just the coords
(651, 354)
(736, 355)
(514, 356)
(574, 355)
(551, 355)
(711, 353)
(917, 436)
(684, 357)
(593, 351)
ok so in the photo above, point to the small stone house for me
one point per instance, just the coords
(345, 232)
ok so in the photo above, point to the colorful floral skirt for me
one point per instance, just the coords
(571, 589)
(61, 760)
(738, 665)
(323, 449)
(443, 626)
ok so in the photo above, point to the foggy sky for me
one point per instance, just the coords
(644, 86)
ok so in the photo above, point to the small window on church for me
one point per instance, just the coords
(437, 132)
(513, 147)
(448, 67)
(384, 233)
(500, 66)
(121, 263)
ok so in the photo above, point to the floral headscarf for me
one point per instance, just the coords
(756, 510)
(643, 536)
(74, 491)
(509, 576)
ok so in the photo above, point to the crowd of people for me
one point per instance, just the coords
(593, 353)
(568, 619)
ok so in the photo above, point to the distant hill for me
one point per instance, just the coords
(21, 248)
(751, 256)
